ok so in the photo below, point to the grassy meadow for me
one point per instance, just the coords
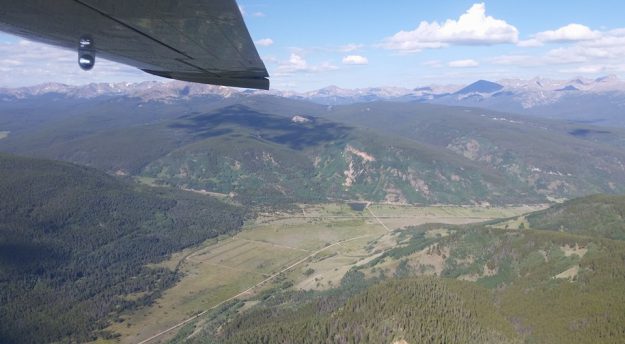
(310, 248)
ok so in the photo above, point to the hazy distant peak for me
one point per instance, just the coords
(506, 92)
(608, 78)
(421, 89)
(579, 81)
(481, 86)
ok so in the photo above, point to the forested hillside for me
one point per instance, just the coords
(414, 310)
(265, 158)
(549, 157)
(269, 149)
(598, 215)
(479, 283)
(74, 244)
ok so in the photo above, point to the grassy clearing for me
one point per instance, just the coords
(383, 210)
(358, 248)
(330, 209)
(311, 236)
(399, 216)
(203, 286)
(222, 268)
(398, 223)
(212, 274)
(322, 274)
(248, 256)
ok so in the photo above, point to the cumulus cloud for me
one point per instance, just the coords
(265, 42)
(258, 14)
(609, 45)
(568, 33)
(295, 62)
(298, 64)
(473, 27)
(463, 63)
(355, 60)
(585, 52)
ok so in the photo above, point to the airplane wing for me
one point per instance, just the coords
(204, 41)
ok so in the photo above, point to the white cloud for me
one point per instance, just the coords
(298, 64)
(604, 53)
(463, 64)
(530, 43)
(576, 54)
(553, 57)
(347, 48)
(355, 60)
(258, 14)
(432, 63)
(265, 42)
(474, 27)
(596, 70)
(592, 69)
(608, 47)
(568, 33)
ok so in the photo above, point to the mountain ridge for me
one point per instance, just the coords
(600, 100)
(185, 89)
(298, 150)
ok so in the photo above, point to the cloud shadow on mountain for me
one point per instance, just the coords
(281, 130)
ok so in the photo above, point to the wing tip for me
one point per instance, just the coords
(259, 83)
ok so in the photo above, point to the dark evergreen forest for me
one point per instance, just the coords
(75, 242)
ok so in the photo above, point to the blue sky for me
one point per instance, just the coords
(312, 44)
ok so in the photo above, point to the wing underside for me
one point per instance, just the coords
(203, 41)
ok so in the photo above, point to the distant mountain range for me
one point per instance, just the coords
(598, 101)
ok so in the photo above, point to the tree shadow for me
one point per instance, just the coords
(581, 132)
(29, 257)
